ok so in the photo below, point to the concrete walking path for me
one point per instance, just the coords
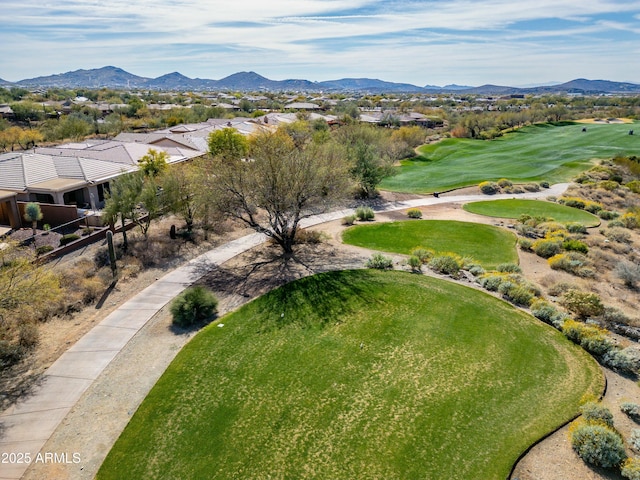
(26, 426)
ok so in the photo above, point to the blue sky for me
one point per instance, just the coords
(436, 42)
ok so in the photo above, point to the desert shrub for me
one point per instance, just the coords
(559, 288)
(608, 185)
(503, 182)
(547, 248)
(607, 214)
(68, 238)
(628, 272)
(379, 262)
(614, 315)
(414, 213)
(616, 224)
(626, 360)
(544, 184)
(365, 213)
(617, 234)
(414, 263)
(516, 293)
(193, 305)
(634, 439)
(631, 469)
(630, 409)
(590, 337)
(583, 304)
(349, 220)
(575, 227)
(491, 282)
(598, 445)
(548, 313)
(553, 229)
(574, 263)
(28, 334)
(573, 202)
(424, 254)
(312, 237)
(634, 186)
(448, 264)
(42, 249)
(629, 220)
(575, 246)
(489, 188)
(509, 268)
(592, 207)
(525, 244)
(476, 270)
(531, 187)
(593, 412)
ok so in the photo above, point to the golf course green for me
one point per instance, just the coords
(513, 208)
(485, 244)
(533, 153)
(357, 374)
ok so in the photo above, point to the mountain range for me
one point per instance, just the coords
(114, 77)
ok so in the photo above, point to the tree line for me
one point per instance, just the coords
(268, 182)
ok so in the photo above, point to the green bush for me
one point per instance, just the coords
(608, 185)
(593, 413)
(573, 202)
(491, 282)
(68, 238)
(424, 254)
(516, 293)
(634, 186)
(365, 213)
(503, 182)
(574, 263)
(629, 220)
(544, 184)
(379, 261)
(598, 445)
(547, 248)
(631, 469)
(525, 244)
(489, 188)
(583, 304)
(447, 264)
(575, 227)
(414, 263)
(414, 213)
(608, 214)
(575, 246)
(531, 187)
(476, 270)
(509, 268)
(193, 305)
(548, 313)
(42, 249)
(593, 339)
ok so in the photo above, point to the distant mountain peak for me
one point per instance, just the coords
(115, 77)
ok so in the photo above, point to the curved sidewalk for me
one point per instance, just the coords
(26, 426)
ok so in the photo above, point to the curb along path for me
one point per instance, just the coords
(26, 426)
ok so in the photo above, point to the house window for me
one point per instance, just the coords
(44, 198)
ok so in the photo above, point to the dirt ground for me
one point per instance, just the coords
(98, 418)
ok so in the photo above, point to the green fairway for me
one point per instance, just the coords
(536, 208)
(486, 244)
(357, 374)
(533, 153)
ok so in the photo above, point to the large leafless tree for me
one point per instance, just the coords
(280, 184)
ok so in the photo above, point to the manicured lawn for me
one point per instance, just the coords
(486, 244)
(534, 153)
(357, 374)
(536, 208)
